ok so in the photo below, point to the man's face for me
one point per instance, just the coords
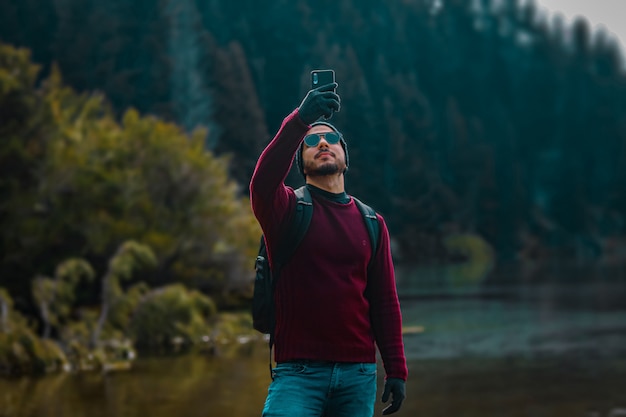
(325, 158)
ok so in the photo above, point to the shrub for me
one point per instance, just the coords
(171, 316)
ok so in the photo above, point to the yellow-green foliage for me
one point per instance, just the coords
(123, 307)
(95, 181)
(129, 257)
(143, 179)
(21, 351)
(76, 336)
(12, 81)
(67, 275)
(54, 297)
(478, 253)
(231, 325)
(169, 315)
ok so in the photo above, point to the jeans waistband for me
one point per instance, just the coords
(312, 362)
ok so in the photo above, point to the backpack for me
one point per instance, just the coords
(263, 318)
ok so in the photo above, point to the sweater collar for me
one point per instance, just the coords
(341, 198)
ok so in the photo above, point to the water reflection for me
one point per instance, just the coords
(566, 284)
(190, 385)
(197, 385)
(528, 348)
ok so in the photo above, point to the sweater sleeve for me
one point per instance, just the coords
(385, 311)
(271, 200)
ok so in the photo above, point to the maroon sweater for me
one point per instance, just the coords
(322, 311)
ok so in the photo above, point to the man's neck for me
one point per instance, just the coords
(331, 183)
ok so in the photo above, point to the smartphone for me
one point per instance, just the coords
(322, 77)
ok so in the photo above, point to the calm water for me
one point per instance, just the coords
(545, 352)
(235, 386)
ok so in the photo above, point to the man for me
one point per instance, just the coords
(335, 300)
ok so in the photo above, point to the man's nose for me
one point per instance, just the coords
(323, 143)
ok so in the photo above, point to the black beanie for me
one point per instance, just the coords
(344, 145)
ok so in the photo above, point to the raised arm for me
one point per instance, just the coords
(271, 199)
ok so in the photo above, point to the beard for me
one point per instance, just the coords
(329, 168)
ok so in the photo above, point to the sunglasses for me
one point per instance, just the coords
(313, 139)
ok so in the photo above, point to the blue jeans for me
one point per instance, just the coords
(322, 389)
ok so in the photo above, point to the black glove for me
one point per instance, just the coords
(321, 101)
(395, 387)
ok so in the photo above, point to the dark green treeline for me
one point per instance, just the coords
(460, 116)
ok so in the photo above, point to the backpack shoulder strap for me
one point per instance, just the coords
(299, 225)
(371, 223)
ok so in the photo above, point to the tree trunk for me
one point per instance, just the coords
(4, 315)
(46, 319)
(95, 336)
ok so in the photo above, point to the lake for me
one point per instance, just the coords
(527, 351)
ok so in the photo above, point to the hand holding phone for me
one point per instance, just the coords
(322, 100)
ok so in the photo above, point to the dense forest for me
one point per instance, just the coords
(482, 117)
